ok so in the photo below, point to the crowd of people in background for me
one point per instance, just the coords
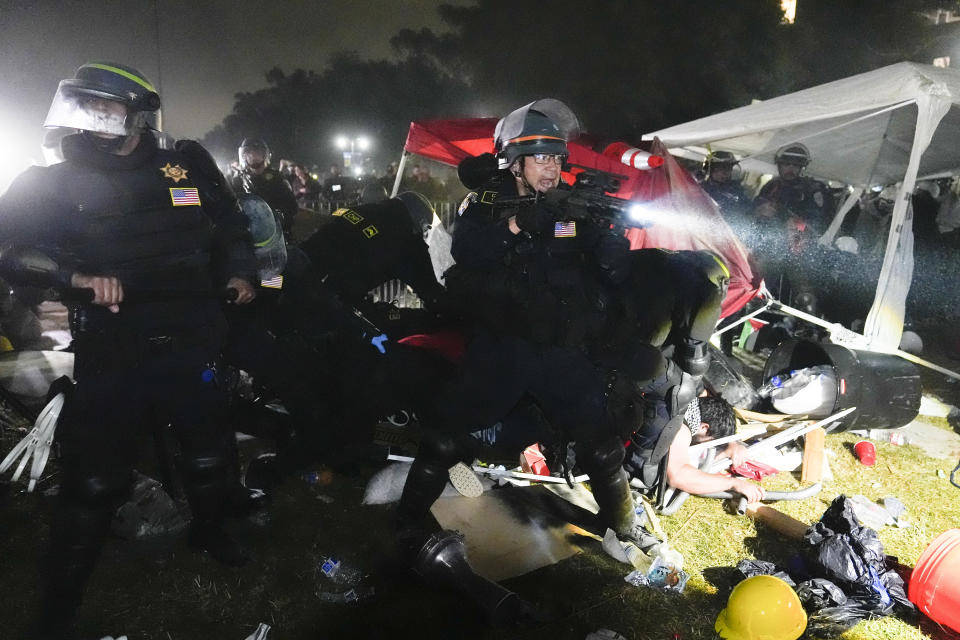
(324, 191)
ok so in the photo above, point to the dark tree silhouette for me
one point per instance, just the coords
(299, 114)
(625, 67)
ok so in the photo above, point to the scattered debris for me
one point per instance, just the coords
(340, 583)
(662, 575)
(149, 512)
(260, 633)
(465, 481)
(604, 634)
(870, 514)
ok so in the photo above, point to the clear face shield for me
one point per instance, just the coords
(253, 158)
(92, 111)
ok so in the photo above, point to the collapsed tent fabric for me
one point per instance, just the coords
(683, 216)
(892, 125)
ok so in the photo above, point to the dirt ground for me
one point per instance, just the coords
(162, 590)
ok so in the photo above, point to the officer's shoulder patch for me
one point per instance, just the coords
(469, 199)
(349, 215)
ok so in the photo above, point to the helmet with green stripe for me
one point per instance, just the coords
(84, 101)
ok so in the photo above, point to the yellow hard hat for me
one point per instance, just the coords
(762, 608)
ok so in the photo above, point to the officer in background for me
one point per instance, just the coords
(790, 213)
(724, 187)
(799, 204)
(531, 281)
(122, 216)
(256, 176)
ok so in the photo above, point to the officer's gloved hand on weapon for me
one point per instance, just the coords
(539, 217)
(28, 266)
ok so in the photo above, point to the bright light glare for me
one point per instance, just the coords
(639, 213)
(649, 214)
(358, 171)
(14, 159)
(363, 143)
(342, 142)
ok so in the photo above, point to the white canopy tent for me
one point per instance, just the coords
(894, 125)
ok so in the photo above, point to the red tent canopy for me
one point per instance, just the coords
(684, 217)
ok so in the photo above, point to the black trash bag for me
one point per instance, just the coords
(833, 621)
(851, 556)
(820, 593)
(750, 568)
(149, 512)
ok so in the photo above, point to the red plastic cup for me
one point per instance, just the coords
(866, 452)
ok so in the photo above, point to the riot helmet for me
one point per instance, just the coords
(253, 154)
(373, 192)
(541, 127)
(722, 159)
(794, 153)
(419, 209)
(88, 101)
(269, 246)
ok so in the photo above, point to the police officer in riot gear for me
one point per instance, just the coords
(790, 212)
(125, 218)
(724, 187)
(792, 196)
(532, 283)
(256, 176)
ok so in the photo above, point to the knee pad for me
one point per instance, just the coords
(603, 458)
(694, 356)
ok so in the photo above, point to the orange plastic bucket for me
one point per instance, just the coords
(935, 581)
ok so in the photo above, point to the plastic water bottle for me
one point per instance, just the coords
(339, 573)
(893, 436)
(774, 383)
(787, 385)
(636, 557)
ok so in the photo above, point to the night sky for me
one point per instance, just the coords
(208, 50)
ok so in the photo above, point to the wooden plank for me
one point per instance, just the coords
(813, 442)
(778, 521)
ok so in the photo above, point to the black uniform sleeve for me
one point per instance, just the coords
(29, 218)
(233, 248)
(416, 270)
(479, 241)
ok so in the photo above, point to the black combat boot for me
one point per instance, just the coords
(206, 487)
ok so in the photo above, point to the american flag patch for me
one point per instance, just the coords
(565, 229)
(273, 283)
(185, 196)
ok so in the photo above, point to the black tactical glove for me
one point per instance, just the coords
(613, 255)
(537, 218)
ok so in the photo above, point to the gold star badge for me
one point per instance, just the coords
(175, 173)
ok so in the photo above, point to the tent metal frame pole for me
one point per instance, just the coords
(399, 178)
(828, 236)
